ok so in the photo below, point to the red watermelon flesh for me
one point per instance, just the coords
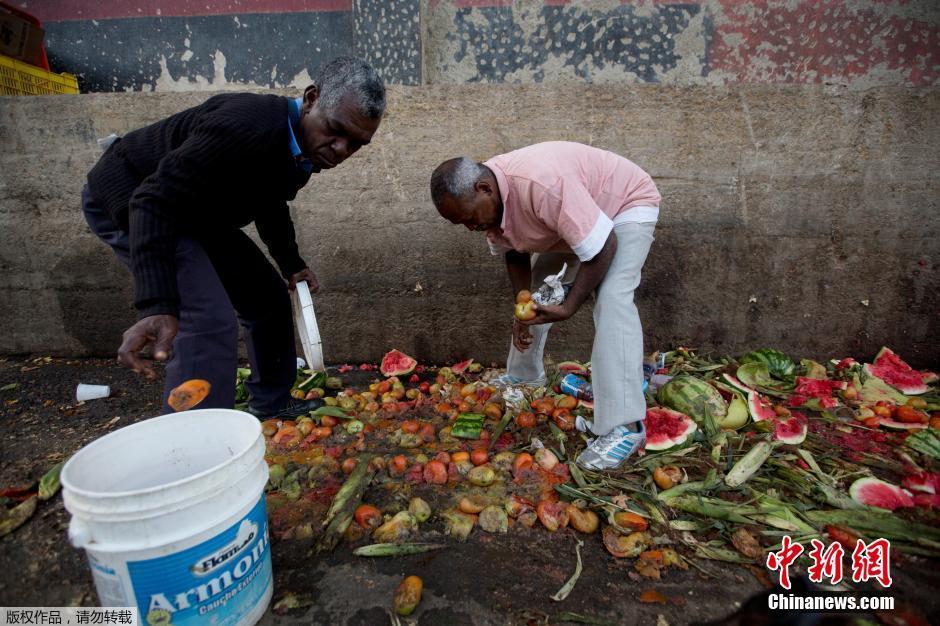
(877, 493)
(666, 428)
(924, 482)
(759, 408)
(927, 500)
(791, 429)
(396, 363)
(816, 388)
(460, 368)
(889, 367)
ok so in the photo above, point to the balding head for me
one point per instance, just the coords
(466, 192)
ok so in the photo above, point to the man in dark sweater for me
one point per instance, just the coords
(171, 199)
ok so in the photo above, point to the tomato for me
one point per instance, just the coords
(479, 456)
(384, 387)
(566, 402)
(935, 421)
(322, 432)
(525, 419)
(493, 410)
(443, 457)
(460, 457)
(883, 410)
(468, 390)
(269, 427)
(910, 415)
(553, 515)
(850, 393)
(287, 435)
(424, 387)
(544, 405)
(427, 432)
(349, 465)
(435, 473)
(328, 420)
(523, 296)
(525, 311)
(872, 422)
(410, 426)
(464, 407)
(367, 516)
(522, 461)
(398, 465)
(582, 520)
(305, 426)
(630, 521)
(563, 419)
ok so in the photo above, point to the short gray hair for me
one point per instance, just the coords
(345, 75)
(455, 177)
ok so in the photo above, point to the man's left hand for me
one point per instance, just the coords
(549, 313)
(307, 275)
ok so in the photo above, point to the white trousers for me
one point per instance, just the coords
(617, 354)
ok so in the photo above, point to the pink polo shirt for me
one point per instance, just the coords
(561, 196)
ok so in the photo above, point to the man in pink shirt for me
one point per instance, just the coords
(560, 202)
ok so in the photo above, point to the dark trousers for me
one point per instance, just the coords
(221, 278)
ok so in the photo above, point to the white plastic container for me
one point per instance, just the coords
(85, 392)
(171, 514)
(307, 330)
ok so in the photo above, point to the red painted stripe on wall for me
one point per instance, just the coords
(64, 10)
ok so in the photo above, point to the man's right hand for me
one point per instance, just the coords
(158, 330)
(521, 337)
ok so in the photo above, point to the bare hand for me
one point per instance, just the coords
(548, 313)
(158, 330)
(521, 337)
(307, 275)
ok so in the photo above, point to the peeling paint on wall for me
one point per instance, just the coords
(275, 43)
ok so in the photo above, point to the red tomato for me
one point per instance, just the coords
(349, 465)
(526, 419)
(367, 516)
(553, 515)
(435, 473)
(398, 465)
(479, 456)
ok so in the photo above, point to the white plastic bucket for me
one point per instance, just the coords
(171, 514)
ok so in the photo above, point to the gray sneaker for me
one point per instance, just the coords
(611, 450)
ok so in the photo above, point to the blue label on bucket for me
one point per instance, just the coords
(217, 582)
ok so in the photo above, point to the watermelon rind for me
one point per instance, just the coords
(737, 416)
(737, 384)
(779, 364)
(782, 434)
(888, 366)
(755, 406)
(573, 367)
(875, 389)
(870, 491)
(397, 363)
(693, 397)
(667, 442)
(460, 368)
(897, 425)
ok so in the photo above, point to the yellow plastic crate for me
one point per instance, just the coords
(23, 79)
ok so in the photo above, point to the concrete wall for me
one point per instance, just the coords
(173, 45)
(799, 217)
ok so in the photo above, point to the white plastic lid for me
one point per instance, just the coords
(307, 329)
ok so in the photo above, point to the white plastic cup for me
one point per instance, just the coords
(91, 392)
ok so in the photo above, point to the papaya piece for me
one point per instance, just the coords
(188, 394)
